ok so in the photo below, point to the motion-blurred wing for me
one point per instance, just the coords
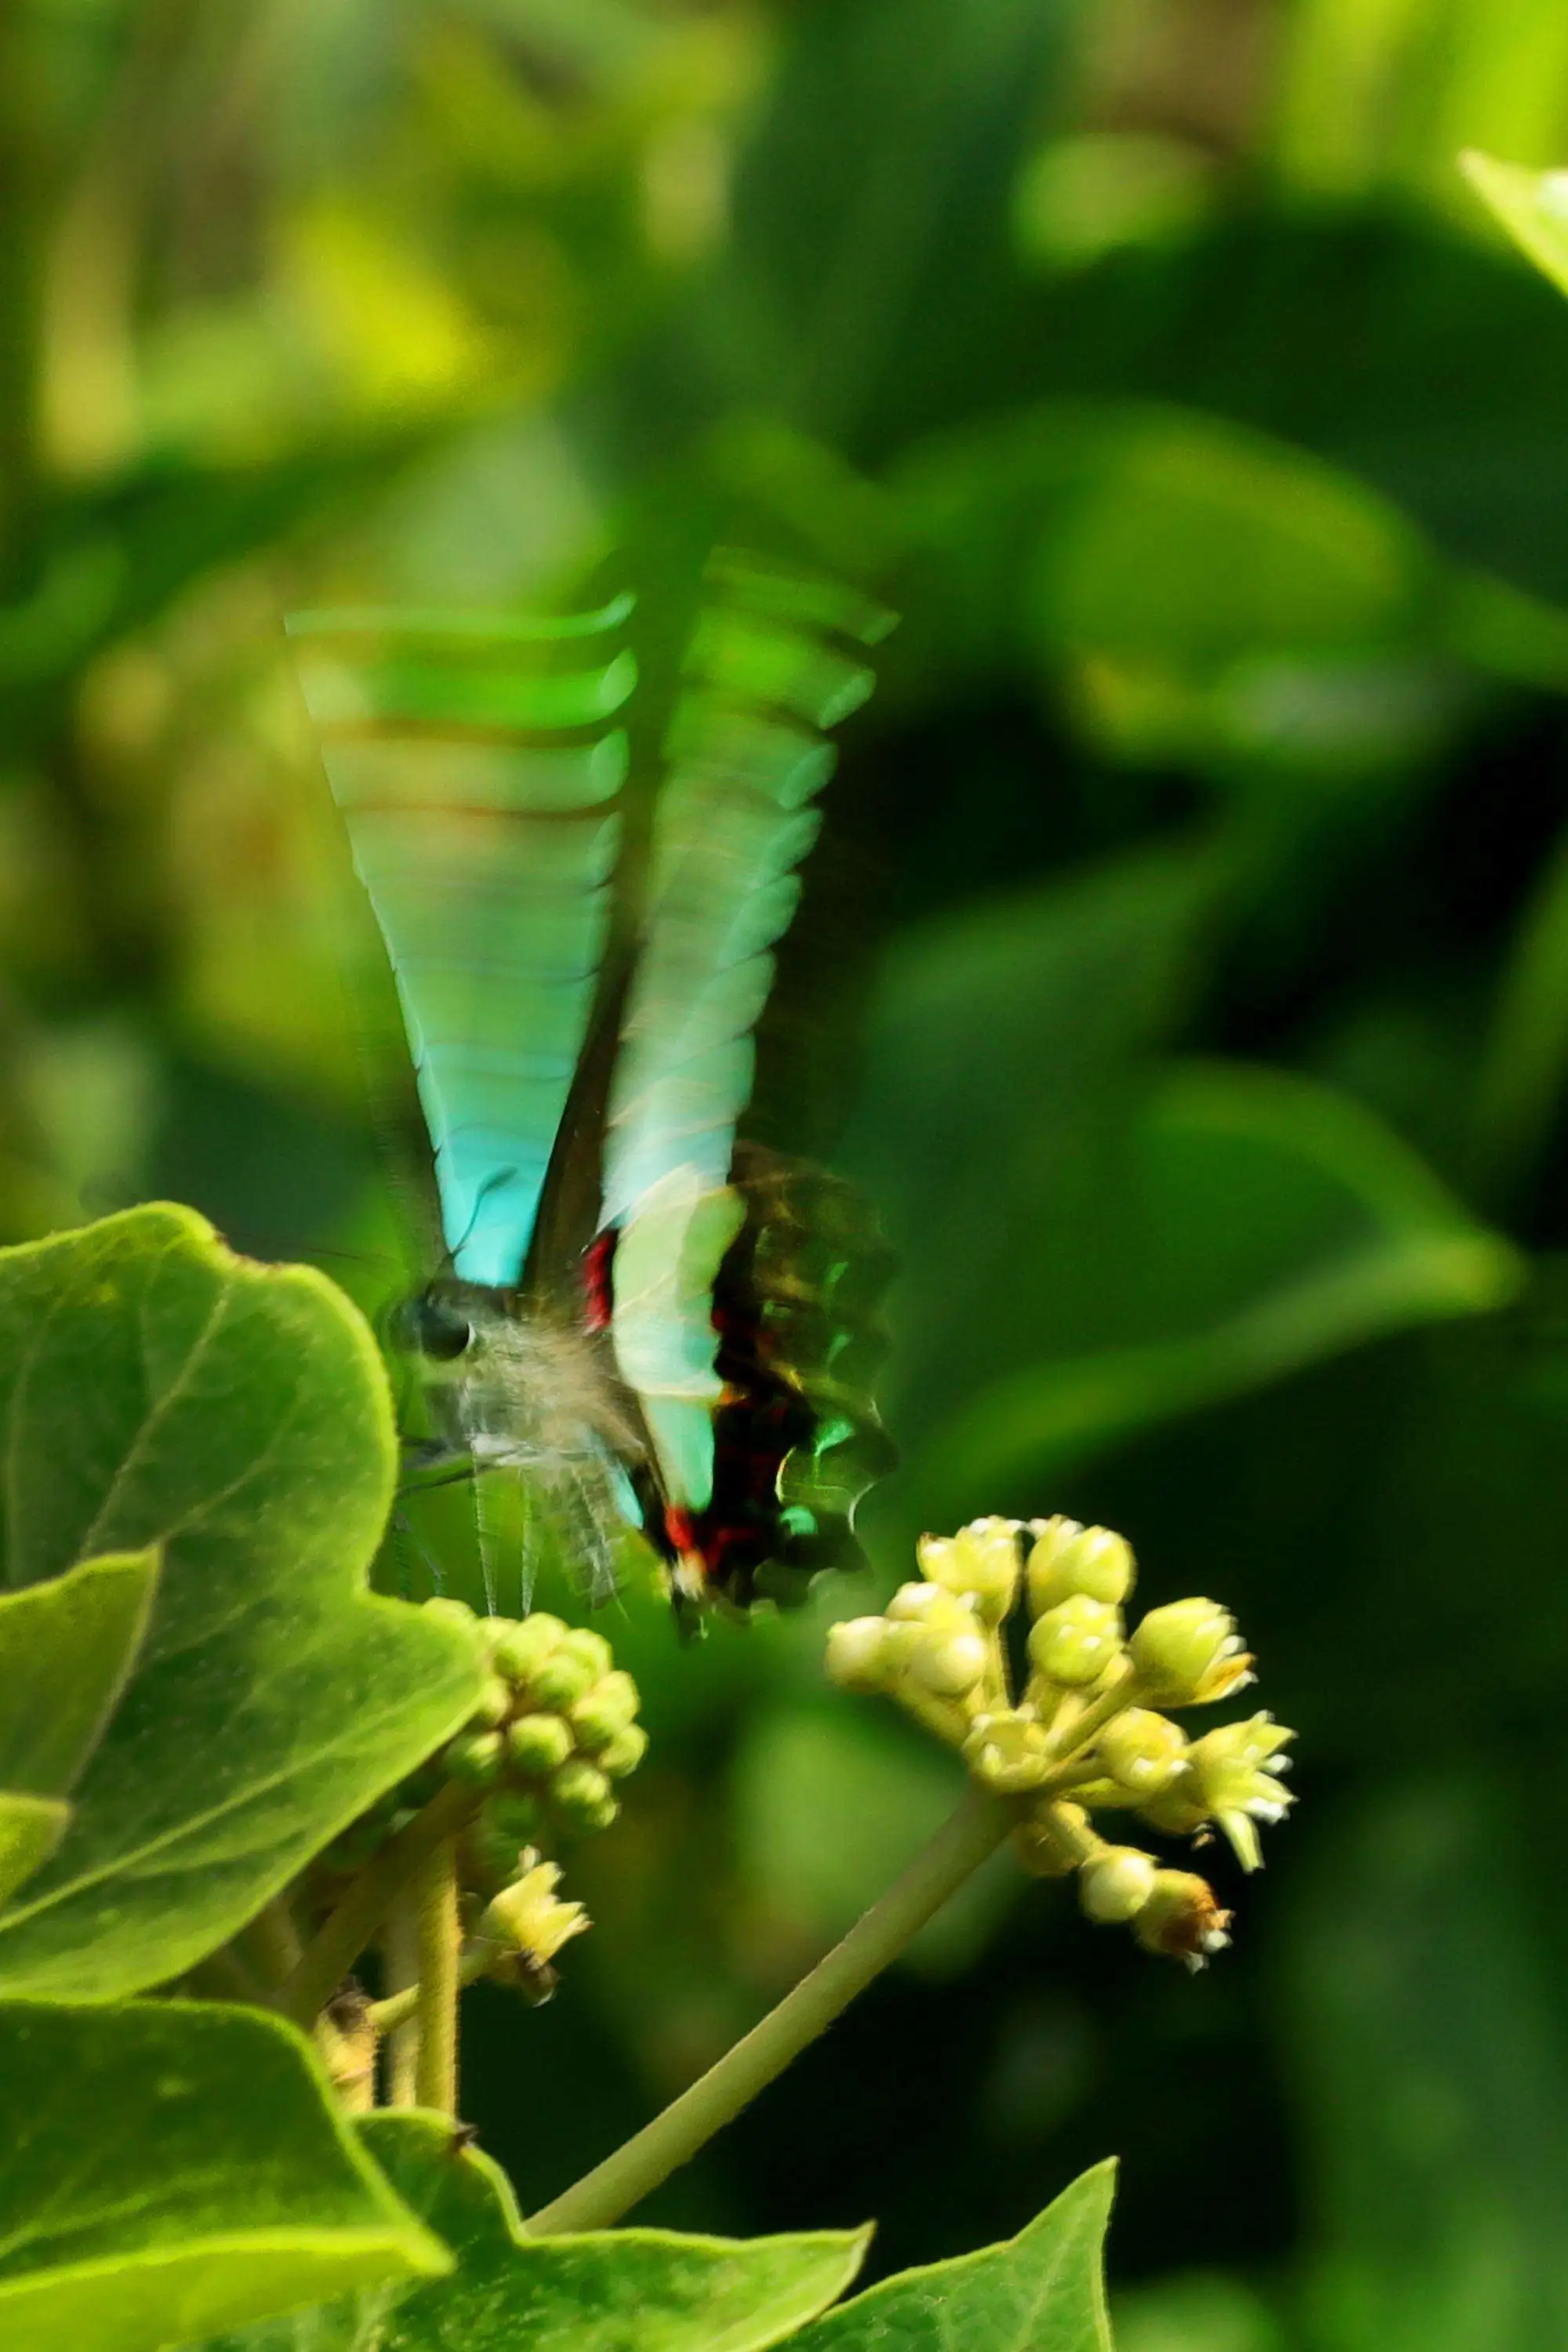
(479, 765)
(776, 662)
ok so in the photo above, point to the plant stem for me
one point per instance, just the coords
(1077, 1731)
(964, 1842)
(343, 1936)
(390, 2015)
(436, 1895)
(400, 1974)
(273, 1940)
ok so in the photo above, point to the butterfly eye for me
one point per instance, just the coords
(430, 1326)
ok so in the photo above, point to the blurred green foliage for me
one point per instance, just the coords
(1185, 968)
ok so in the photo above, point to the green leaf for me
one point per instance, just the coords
(603, 2292)
(67, 1648)
(1098, 1248)
(167, 2169)
(154, 1388)
(1236, 321)
(1203, 592)
(1013, 1032)
(876, 195)
(1531, 205)
(1519, 1083)
(1426, 2040)
(1042, 2290)
(31, 1830)
(1256, 1222)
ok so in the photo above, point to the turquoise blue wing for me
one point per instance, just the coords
(776, 662)
(480, 764)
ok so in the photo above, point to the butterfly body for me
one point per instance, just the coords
(645, 1321)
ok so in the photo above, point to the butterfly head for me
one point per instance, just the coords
(435, 1327)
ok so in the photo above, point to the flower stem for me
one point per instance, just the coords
(400, 1974)
(435, 1899)
(343, 1935)
(273, 1940)
(1079, 1729)
(964, 1842)
(387, 2016)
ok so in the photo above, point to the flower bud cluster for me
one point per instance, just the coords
(555, 1730)
(1090, 1732)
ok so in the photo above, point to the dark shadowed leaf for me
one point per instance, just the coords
(67, 1648)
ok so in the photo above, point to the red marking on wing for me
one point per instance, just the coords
(598, 1260)
(758, 1423)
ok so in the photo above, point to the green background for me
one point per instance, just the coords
(1184, 967)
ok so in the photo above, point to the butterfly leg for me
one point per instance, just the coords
(405, 1537)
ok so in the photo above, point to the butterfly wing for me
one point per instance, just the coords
(776, 662)
(480, 766)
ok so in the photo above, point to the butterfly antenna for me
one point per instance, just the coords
(380, 1259)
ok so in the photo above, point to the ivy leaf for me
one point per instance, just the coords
(602, 2291)
(31, 1830)
(156, 1389)
(65, 1651)
(1531, 205)
(1042, 2290)
(167, 2168)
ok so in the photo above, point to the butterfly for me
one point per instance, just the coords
(580, 882)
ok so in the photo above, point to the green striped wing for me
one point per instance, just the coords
(480, 764)
(776, 662)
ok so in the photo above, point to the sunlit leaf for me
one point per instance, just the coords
(603, 2292)
(31, 1830)
(154, 1387)
(1531, 205)
(167, 2169)
(1042, 2290)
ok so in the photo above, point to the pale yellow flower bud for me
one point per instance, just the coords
(1074, 1643)
(1228, 1781)
(949, 1665)
(1188, 1652)
(930, 1606)
(1116, 1884)
(1067, 1559)
(1142, 1751)
(528, 1918)
(1008, 1752)
(857, 1654)
(1181, 1918)
(980, 1562)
